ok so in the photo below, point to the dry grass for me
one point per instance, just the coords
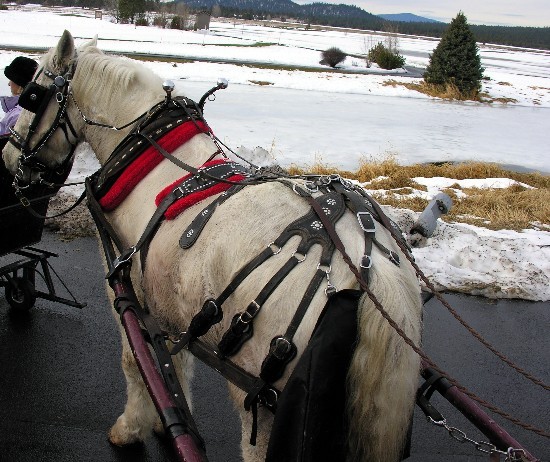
(260, 82)
(450, 92)
(515, 207)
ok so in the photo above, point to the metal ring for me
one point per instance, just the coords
(296, 253)
(271, 245)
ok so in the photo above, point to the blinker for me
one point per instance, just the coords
(33, 96)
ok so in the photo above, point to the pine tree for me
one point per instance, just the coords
(456, 60)
(129, 9)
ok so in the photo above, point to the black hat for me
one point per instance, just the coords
(21, 70)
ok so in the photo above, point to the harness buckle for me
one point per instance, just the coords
(24, 201)
(250, 312)
(280, 347)
(275, 248)
(366, 222)
(123, 258)
(394, 258)
(366, 262)
(311, 186)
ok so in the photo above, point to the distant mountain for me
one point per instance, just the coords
(406, 17)
(319, 13)
(348, 16)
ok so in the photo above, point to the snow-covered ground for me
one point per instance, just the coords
(340, 118)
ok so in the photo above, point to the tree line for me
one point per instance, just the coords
(322, 14)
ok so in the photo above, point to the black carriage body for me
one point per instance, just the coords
(18, 227)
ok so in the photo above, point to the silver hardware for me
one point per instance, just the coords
(168, 86)
(59, 81)
(394, 258)
(368, 263)
(329, 289)
(250, 315)
(125, 258)
(296, 253)
(311, 186)
(366, 230)
(222, 83)
(275, 249)
(271, 397)
(512, 454)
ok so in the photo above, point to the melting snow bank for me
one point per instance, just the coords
(458, 257)
(477, 261)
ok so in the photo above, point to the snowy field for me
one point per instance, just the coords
(299, 117)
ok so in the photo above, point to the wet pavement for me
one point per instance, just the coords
(61, 386)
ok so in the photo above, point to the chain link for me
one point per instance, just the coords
(512, 455)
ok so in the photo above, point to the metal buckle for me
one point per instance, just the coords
(125, 257)
(250, 314)
(275, 248)
(394, 258)
(368, 259)
(284, 343)
(311, 186)
(368, 227)
(269, 397)
(296, 253)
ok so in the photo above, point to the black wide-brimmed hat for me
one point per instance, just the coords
(21, 70)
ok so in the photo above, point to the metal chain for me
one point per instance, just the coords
(400, 332)
(512, 454)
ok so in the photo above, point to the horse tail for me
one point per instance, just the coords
(384, 370)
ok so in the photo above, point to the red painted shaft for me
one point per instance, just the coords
(184, 445)
(479, 418)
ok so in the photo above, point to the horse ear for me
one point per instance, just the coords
(91, 43)
(64, 52)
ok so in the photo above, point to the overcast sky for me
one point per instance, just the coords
(491, 12)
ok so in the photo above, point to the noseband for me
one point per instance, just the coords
(36, 98)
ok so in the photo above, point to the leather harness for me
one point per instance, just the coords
(327, 195)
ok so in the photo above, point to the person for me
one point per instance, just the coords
(19, 74)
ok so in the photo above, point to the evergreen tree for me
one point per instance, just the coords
(129, 9)
(456, 59)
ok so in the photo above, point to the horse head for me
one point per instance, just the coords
(48, 129)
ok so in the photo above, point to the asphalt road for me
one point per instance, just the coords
(61, 386)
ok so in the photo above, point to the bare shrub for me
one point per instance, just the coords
(333, 56)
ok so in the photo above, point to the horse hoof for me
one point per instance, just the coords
(120, 435)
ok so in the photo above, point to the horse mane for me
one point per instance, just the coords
(105, 78)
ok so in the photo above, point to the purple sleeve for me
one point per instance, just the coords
(9, 120)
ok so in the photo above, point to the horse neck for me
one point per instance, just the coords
(115, 108)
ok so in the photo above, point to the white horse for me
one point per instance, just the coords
(384, 371)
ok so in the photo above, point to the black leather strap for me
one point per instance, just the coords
(193, 231)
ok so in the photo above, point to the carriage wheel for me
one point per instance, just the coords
(20, 294)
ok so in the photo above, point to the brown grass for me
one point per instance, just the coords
(450, 92)
(516, 207)
(447, 91)
(260, 82)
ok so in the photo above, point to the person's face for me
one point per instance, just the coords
(15, 89)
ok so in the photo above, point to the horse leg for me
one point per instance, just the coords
(139, 414)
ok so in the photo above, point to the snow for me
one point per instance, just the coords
(299, 117)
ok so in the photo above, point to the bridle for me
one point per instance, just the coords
(36, 98)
